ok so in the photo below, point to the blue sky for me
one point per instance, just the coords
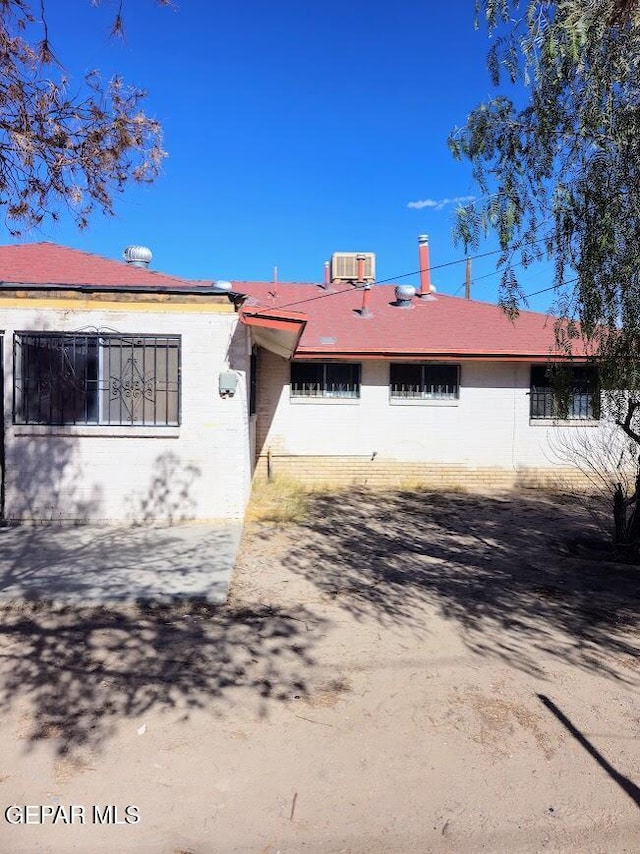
(294, 129)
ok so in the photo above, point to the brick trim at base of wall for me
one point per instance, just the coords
(336, 471)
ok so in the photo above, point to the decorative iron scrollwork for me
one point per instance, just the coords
(132, 385)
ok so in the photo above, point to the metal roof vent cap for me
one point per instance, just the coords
(404, 296)
(137, 256)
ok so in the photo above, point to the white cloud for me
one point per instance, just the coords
(439, 204)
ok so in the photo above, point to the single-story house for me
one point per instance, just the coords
(130, 395)
(125, 391)
(385, 384)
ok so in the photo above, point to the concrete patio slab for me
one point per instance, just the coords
(101, 564)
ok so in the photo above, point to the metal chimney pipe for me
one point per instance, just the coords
(366, 296)
(327, 274)
(425, 272)
(360, 259)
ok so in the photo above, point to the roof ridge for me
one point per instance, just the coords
(61, 260)
(113, 261)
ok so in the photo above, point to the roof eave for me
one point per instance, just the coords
(313, 354)
(275, 330)
(117, 288)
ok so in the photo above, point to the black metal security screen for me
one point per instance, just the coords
(325, 379)
(580, 402)
(139, 380)
(425, 382)
(70, 378)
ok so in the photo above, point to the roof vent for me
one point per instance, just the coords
(366, 295)
(344, 266)
(404, 296)
(137, 256)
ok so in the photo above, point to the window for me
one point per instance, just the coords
(573, 395)
(325, 379)
(425, 382)
(72, 378)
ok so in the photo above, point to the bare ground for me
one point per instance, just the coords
(401, 671)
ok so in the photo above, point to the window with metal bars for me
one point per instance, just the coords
(575, 395)
(76, 378)
(325, 379)
(410, 381)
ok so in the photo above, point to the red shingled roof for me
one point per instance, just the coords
(442, 327)
(50, 264)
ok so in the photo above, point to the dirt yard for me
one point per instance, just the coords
(397, 672)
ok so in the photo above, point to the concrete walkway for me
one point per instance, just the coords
(100, 564)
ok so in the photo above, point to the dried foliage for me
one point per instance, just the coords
(624, 10)
(278, 500)
(64, 148)
(608, 462)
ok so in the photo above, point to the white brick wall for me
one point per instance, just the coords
(488, 427)
(200, 470)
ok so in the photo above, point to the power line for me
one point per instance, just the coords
(392, 278)
(492, 273)
(526, 296)
(543, 291)
(551, 288)
(435, 267)
(440, 266)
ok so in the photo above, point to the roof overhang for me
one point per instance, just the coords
(328, 355)
(191, 290)
(275, 330)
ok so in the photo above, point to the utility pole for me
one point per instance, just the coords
(467, 281)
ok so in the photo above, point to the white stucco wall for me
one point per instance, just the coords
(488, 426)
(200, 470)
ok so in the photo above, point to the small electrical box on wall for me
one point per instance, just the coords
(228, 383)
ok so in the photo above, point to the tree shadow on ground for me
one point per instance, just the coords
(103, 564)
(82, 671)
(499, 566)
